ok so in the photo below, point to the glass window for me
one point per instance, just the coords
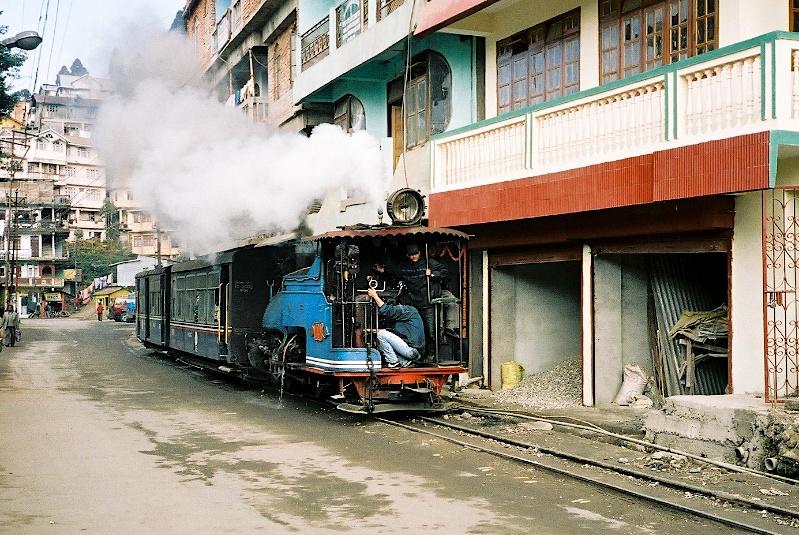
(428, 104)
(794, 15)
(637, 36)
(539, 64)
(349, 114)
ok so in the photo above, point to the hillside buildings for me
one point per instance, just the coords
(53, 189)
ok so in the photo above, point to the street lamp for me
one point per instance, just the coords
(27, 40)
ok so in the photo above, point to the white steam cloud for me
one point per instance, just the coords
(205, 171)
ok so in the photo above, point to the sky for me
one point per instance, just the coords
(84, 29)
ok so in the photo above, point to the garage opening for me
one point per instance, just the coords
(666, 313)
(535, 320)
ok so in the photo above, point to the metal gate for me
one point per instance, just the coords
(781, 308)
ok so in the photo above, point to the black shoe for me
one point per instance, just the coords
(393, 365)
(407, 364)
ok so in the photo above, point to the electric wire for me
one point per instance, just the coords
(406, 80)
(55, 27)
(43, 31)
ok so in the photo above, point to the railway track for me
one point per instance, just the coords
(736, 511)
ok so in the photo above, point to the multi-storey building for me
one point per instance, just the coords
(35, 217)
(616, 162)
(55, 187)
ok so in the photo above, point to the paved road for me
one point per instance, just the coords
(99, 436)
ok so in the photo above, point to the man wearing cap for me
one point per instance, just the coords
(423, 282)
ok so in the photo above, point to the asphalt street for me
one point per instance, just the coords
(100, 435)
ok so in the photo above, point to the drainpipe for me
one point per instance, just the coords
(587, 294)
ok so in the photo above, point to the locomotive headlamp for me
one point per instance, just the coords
(405, 207)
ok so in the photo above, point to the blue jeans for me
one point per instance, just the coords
(394, 348)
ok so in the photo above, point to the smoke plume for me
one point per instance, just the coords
(206, 172)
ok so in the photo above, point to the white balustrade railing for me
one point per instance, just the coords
(723, 96)
(495, 151)
(749, 87)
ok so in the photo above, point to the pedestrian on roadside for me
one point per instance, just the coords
(100, 309)
(10, 324)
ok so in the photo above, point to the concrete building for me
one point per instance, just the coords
(125, 272)
(616, 163)
(636, 160)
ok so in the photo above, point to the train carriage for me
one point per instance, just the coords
(152, 314)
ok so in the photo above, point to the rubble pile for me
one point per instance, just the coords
(782, 441)
(557, 388)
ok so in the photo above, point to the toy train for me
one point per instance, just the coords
(296, 312)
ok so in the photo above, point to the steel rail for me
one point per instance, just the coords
(671, 504)
(622, 469)
(189, 362)
(596, 429)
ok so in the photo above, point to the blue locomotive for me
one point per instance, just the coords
(296, 311)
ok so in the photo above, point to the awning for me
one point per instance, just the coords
(364, 231)
(436, 14)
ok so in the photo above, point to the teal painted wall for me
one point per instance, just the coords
(369, 82)
(312, 11)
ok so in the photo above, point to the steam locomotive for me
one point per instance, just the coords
(296, 312)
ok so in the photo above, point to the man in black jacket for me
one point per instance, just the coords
(423, 282)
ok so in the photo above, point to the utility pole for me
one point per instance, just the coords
(11, 166)
(158, 245)
(13, 239)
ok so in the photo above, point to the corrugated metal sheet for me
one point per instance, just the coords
(365, 231)
(675, 288)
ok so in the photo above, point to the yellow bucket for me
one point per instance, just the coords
(511, 373)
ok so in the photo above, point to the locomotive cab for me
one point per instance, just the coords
(323, 323)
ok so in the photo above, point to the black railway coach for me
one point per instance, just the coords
(209, 307)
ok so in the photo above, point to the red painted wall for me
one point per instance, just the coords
(715, 167)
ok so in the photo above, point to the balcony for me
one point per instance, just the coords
(256, 108)
(748, 88)
(382, 23)
(38, 227)
(315, 43)
(39, 282)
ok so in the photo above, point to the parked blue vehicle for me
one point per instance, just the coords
(123, 309)
(129, 316)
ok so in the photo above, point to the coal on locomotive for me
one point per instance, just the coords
(297, 312)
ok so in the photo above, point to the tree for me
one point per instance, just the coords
(111, 214)
(77, 68)
(10, 62)
(95, 257)
(178, 23)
